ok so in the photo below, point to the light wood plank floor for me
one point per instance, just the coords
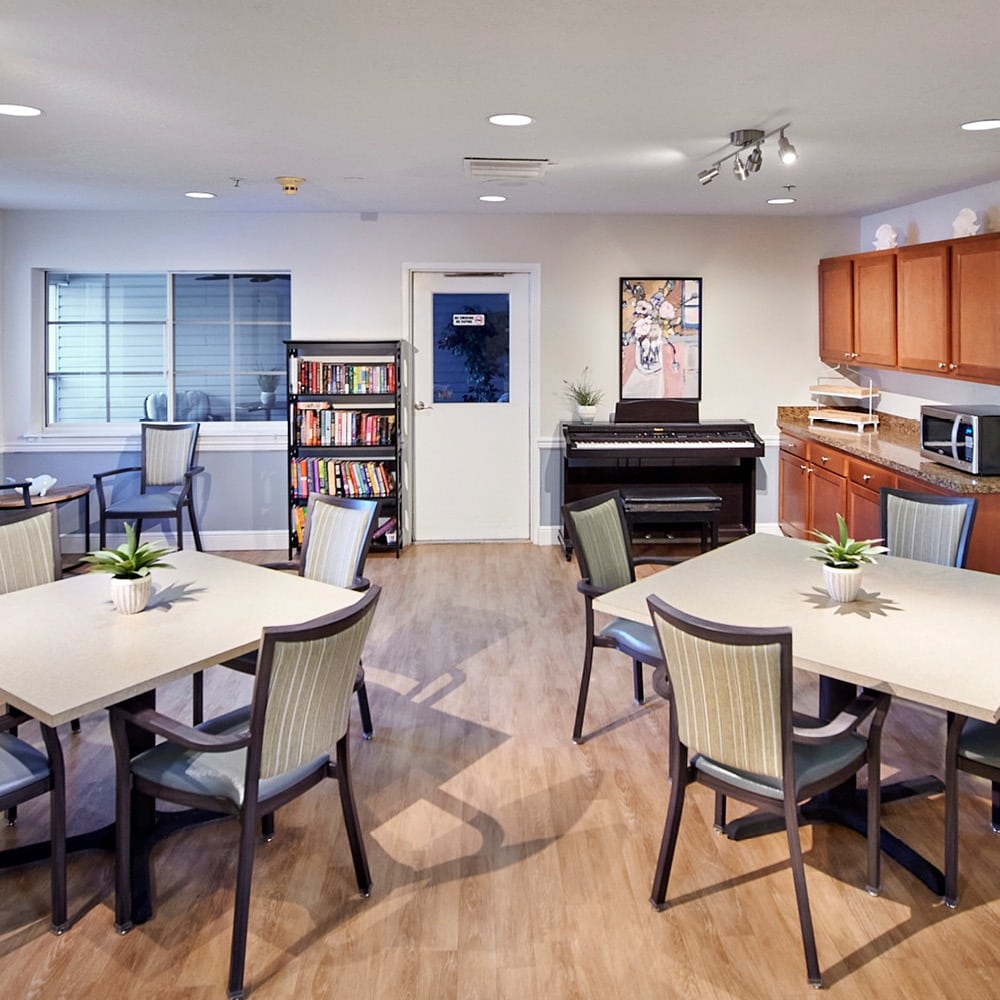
(508, 863)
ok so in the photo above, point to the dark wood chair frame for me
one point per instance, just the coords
(184, 499)
(969, 503)
(682, 773)
(129, 788)
(589, 591)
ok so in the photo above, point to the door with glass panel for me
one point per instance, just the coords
(471, 430)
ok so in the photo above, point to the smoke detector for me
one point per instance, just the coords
(290, 185)
(504, 169)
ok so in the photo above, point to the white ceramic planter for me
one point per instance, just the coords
(131, 596)
(585, 414)
(842, 584)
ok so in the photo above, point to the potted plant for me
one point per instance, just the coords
(129, 566)
(585, 395)
(843, 559)
(268, 382)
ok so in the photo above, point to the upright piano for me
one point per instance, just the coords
(718, 455)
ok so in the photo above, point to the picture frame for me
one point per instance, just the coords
(660, 338)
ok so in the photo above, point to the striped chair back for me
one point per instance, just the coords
(337, 537)
(927, 527)
(601, 542)
(304, 686)
(30, 553)
(167, 452)
(731, 687)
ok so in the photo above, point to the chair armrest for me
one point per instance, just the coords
(288, 564)
(654, 561)
(361, 583)
(23, 486)
(865, 704)
(11, 718)
(114, 472)
(588, 589)
(194, 470)
(245, 664)
(151, 721)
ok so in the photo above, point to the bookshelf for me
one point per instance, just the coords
(343, 430)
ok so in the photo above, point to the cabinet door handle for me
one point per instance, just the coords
(866, 478)
(803, 468)
(951, 368)
(824, 458)
(941, 364)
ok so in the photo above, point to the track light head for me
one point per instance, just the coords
(786, 151)
(739, 169)
(709, 174)
(754, 160)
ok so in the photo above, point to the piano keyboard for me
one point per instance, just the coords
(660, 443)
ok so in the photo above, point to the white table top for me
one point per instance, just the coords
(919, 631)
(65, 650)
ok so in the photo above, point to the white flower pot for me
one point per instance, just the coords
(585, 414)
(842, 584)
(131, 596)
(267, 398)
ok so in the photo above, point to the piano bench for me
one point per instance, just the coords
(675, 505)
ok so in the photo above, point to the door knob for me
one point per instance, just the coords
(421, 405)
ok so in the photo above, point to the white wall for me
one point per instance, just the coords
(759, 314)
(925, 222)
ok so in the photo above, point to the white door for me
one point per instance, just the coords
(471, 430)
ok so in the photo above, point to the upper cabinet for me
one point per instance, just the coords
(932, 308)
(857, 309)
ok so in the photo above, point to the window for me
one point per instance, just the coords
(126, 347)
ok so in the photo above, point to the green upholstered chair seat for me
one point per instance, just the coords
(147, 503)
(980, 742)
(633, 639)
(20, 764)
(813, 762)
(219, 774)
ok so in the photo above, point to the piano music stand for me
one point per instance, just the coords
(654, 411)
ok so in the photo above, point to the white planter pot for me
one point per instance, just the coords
(842, 584)
(131, 596)
(267, 398)
(585, 414)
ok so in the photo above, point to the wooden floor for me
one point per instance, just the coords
(508, 863)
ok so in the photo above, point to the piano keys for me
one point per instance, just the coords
(717, 455)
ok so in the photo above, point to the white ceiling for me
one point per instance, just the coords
(377, 102)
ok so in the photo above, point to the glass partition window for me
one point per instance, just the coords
(126, 347)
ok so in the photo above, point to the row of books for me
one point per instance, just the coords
(336, 477)
(317, 424)
(338, 378)
(385, 529)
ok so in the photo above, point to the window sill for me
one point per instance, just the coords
(109, 437)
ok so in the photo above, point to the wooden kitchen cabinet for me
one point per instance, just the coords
(812, 487)
(923, 308)
(836, 310)
(975, 308)
(864, 515)
(875, 308)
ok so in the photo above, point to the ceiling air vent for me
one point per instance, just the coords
(505, 169)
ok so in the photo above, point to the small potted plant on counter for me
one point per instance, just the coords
(585, 395)
(843, 560)
(268, 384)
(129, 566)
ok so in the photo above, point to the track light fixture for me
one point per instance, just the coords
(744, 163)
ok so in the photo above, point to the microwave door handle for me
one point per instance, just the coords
(954, 437)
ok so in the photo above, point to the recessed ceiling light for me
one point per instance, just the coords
(19, 111)
(198, 194)
(982, 125)
(492, 197)
(511, 120)
(781, 201)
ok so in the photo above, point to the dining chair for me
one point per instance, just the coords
(926, 526)
(26, 773)
(250, 762)
(972, 747)
(732, 728)
(599, 533)
(23, 487)
(166, 472)
(335, 545)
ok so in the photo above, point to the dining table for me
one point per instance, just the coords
(66, 651)
(918, 631)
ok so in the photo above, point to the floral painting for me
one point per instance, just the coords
(660, 338)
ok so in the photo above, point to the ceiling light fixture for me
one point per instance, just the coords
(19, 111)
(745, 163)
(511, 120)
(290, 185)
(981, 125)
(198, 194)
(492, 197)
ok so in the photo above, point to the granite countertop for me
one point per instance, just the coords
(894, 445)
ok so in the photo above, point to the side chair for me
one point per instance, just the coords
(732, 729)
(926, 526)
(603, 546)
(166, 471)
(335, 546)
(249, 762)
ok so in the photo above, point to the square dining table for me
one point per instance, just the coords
(919, 631)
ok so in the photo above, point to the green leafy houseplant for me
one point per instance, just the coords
(130, 560)
(268, 383)
(845, 552)
(583, 393)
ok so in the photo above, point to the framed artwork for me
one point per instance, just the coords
(660, 338)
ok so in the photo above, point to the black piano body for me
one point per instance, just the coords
(717, 455)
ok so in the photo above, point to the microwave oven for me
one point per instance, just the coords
(964, 437)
